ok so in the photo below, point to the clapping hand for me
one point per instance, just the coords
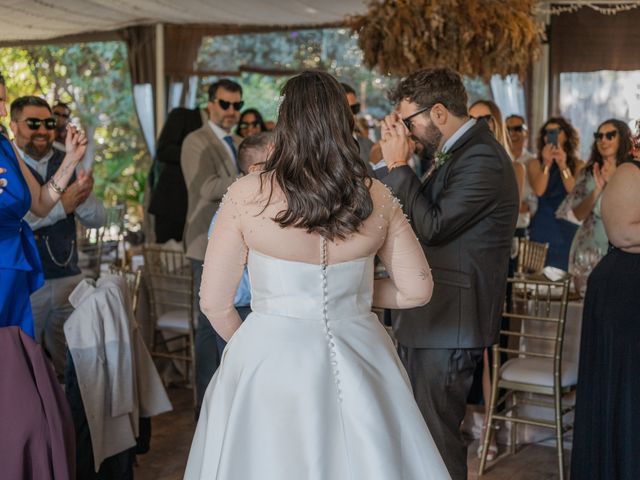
(75, 144)
(603, 174)
(78, 192)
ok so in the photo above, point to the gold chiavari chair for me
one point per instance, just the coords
(170, 283)
(133, 280)
(534, 369)
(531, 256)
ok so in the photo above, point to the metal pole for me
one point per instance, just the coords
(160, 80)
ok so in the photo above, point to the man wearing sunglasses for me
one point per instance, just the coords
(34, 127)
(62, 114)
(209, 163)
(364, 144)
(464, 213)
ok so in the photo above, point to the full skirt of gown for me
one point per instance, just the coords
(310, 387)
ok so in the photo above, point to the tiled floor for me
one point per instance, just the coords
(172, 433)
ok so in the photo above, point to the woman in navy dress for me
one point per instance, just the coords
(606, 442)
(20, 268)
(552, 177)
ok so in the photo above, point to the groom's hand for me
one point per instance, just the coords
(395, 142)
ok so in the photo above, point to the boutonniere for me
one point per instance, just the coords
(441, 158)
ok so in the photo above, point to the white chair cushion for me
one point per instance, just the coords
(176, 320)
(538, 371)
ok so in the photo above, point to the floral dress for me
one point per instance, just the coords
(591, 237)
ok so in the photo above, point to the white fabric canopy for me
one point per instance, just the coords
(25, 20)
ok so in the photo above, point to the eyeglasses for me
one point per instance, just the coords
(599, 136)
(237, 106)
(407, 120)
(355, 108)
(63, 115)
(517, 128)
(34, 123)
(249, 124)
(486, 118)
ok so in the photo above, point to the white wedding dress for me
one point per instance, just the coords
(310, 386)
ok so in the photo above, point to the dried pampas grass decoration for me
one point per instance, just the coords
(475, 37)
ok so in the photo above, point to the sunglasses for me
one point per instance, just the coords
(63, 115)
(224, 105)
(486, 118)
(35, 123)
(355, 108)
(407, 120)
(249, 124)
(517, 128)
(599, 136)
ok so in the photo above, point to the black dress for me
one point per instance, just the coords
(606, 439)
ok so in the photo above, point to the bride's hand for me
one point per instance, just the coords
(75, 144)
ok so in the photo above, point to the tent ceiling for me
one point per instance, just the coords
(29, 20)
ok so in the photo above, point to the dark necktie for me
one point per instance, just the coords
(229, 141)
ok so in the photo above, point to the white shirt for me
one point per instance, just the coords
(91, 212)
(221, 134)
(458, 134)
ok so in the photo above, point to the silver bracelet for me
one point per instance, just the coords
(56, 188)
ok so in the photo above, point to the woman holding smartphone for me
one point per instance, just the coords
(552, 177)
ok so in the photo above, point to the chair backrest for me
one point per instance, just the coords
(531, 256)
(169, 278)
(133, 280)
(537, 313)
(98, 244)
(89, 241)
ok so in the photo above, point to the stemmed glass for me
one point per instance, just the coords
(585, 260)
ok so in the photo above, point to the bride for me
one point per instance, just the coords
(310, 386)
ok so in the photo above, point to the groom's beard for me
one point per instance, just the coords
(429, 136)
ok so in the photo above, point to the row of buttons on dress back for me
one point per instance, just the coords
(325, 316)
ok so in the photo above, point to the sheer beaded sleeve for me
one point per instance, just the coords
(224, 263)
(410, 283)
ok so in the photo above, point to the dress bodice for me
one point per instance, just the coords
(16, 239)
(285, 264)
(295, 289)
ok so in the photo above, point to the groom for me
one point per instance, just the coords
(464, 212)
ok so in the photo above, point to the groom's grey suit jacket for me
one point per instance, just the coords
(464, 216)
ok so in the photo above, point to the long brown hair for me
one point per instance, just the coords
(500, 130)
(315, 159)
(625, 146)
(571, 144)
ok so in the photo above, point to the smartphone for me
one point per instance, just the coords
(552, 137)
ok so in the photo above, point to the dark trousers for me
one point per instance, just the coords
(205, 342)
(441, 379)
(208, 344)
(116, 467)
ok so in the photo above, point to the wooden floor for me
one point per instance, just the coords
(172, 434)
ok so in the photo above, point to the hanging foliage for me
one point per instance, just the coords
(476, 37)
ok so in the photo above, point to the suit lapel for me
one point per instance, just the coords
(221, 151)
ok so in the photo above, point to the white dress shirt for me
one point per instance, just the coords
(91, 212)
